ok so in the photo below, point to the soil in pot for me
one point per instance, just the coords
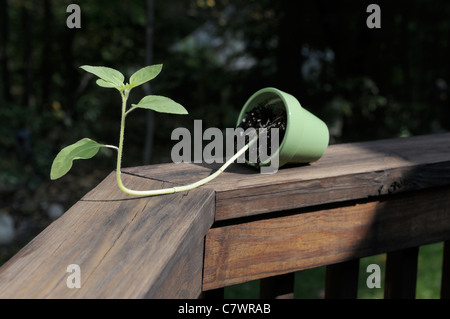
(264, 116)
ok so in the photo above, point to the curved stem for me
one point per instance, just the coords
(177, 189)
(110, 146)
(131, 109)
(124, 95)
(169, 190)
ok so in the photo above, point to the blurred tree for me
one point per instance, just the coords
(4, 60)
(149, 61)
(316, 50)
(365, 83)
(26, 23)
(47, 50)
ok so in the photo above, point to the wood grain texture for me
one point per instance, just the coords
(342, 280)
(359, 199)
(126, 247)
(262, 248)
(401, 274)
(345, 172)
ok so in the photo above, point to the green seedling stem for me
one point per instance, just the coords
(87, 148)
(169, 190)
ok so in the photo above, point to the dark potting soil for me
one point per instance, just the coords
(264, 116)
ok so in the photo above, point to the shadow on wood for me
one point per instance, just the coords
(359, 199)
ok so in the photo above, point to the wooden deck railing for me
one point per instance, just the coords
(360, 199)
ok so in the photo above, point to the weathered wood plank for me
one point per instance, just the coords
(126, 247)
(130, 247)
(401, 274)
(445, 280)
(268, 247)
(345, 172)
(342, 280)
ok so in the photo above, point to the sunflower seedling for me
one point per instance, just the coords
(87, 148)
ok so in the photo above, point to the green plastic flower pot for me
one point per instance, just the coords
(306, 137)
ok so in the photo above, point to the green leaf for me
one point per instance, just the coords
(83, 149)
(105, 84)
(161, 104)
(145, 74)
(109, 75)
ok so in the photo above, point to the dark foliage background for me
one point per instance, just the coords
(364, 83)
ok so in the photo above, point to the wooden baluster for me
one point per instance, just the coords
(342, 280)
(277, 287)
(445, 282)
(401, 274)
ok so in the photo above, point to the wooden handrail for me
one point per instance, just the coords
(359, 199)
(345, 172)
(126, 247)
